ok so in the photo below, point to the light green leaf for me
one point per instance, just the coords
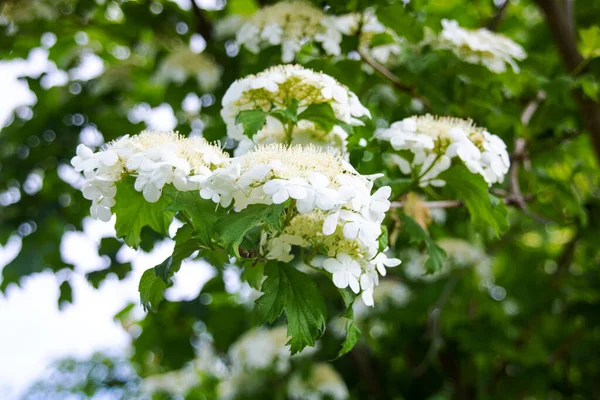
(321, 115)
(290, 114)
(232, 228)
(289, 289)
(473, 190)
(590, 41)
(151, 289)
(417, 236)
(590, 86)
(352, 335)
(134, 212)
(252, 121)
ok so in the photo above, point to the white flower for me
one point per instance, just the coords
(281, 246)
(436, 141)
(381, 261)
(290, 24)
(275, 89)
(345, 271)
(318, 195)
(155, 159)
(479, 46)
(282, 189)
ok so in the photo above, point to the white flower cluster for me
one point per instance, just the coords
(323, 382)
(427, 145)
(182, 64)
(380, 42)
(479, 46)
(332, 209)
(461, 254)
(274, 89)
(289, 24)
(154, 158)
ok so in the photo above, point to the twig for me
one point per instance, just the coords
(559, 16)
(493, 24)
(456, 203)
(566, 345)
(532, 107)
(433, 325)
(203, 25)
(394, 79)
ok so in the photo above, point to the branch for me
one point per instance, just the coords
(203, 25)
(493, 24)
(394, 79)
(454, 203)
(562, 27)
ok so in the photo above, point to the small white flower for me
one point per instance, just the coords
(345, 271)
(318, 195)
(381, 261)
(282, 189)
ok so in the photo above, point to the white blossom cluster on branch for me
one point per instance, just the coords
(380, 42)
(183, 64)
(293, 24)
(478, 46)
(275, 89)
(289, 24)
(256, 356)
(426, 146)
(153, 158)
(333, 213)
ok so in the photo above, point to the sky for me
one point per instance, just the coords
(33, 332)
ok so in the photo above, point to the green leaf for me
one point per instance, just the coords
(134, 212)
(202, 213)
(473, 190)
(400, 20)
(287, 115)
(289, 289)
(253, 274)
(352, 336)
(232, 228)
(348, 297)
(321, 115)
(66, 294)
(590, 41)
(384, 239)
(418, 235)
(151, 289)
(186, 243)
(252, 121)
(590, 86)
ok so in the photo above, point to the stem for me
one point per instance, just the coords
(289, 129)
(394, 79)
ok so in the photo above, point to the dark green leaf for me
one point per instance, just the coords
(289, 289)
(202, 213)
(287, 115)
(417, 236)
(232, 228)
(134, 212)
(321, 115)
(473, 190)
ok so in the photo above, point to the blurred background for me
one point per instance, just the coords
(514, 316)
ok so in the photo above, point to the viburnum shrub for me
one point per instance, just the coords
(290, 201)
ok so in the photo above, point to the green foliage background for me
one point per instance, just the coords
(453, 339)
